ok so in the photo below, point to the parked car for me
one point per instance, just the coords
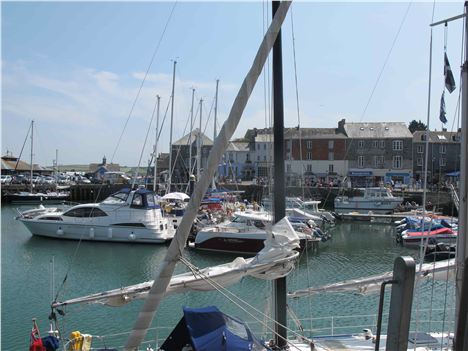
(6, 179)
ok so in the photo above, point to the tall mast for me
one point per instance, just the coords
(155, 172)
(32, 147)
(190, 135)
(56, 165)
(462, 242)
(169, 180)
(279, 285)
(213, 186)
(199, 143)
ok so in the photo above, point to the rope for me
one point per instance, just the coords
(225, 292)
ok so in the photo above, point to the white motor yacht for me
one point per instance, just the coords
(126, 216)
(378, 200)
(245, 234)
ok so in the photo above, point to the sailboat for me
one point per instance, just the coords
(32, 196)
(155, 291)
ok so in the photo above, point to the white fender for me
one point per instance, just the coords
(60, 231)
(132, 236)
(109, 233)
(91, 233)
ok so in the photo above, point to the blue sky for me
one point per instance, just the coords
(75, 68)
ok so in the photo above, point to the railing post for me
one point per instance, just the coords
(401, 300)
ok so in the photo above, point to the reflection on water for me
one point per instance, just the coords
(356, 250)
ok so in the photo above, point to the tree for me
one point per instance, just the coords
(416, 125)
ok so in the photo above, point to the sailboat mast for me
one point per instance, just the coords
(199, 143)
(32, 147)
(155, 172)
(214, 127)
(56, 166)
(279, 285)
(190, 135)
(169, 179)
(462, 242)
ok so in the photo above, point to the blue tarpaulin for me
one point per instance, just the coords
(453, 174)
(208, 329)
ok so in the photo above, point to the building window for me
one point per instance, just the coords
(382, 144)
(397, 162)
(330, 168)
(264, 146)
(258, 158)
(331, 144)
(309, 168)
(258, 146)
(361, 144)
(420, 149)
(309, 155)
(330, 156)
(309, 144)
(375, 144)
(288, 168)
(442, 162)
(378, 161)
(264, 158)
(397, 145)
(442, 149)
(420, 161)
(360, 161)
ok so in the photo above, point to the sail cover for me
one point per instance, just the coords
(437, 270)
(275, 260)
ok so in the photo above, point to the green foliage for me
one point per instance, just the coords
(416, 125)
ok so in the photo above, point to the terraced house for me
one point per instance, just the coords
(378, 153)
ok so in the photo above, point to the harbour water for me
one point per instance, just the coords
(356, 250)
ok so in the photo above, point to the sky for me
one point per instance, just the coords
(75, 68)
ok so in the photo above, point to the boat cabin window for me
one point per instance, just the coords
(137, 200)
(85, 212)
(259, 224)
(151, 201)
(238, 220)
(117, 198)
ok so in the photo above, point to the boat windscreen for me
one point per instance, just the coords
(117, 198)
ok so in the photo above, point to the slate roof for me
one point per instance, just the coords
(185, 139)
(441, 137)
(238, 146)
(9, 163)
(377, 130)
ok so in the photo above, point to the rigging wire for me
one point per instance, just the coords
(297, 102)
(421, 254)
(144, 145)
(231, 296)
(156, 50)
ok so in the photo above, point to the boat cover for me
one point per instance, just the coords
(206, 329)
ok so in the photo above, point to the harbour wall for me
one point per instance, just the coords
(97, 192)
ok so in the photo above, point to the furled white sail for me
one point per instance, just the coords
(275, 260)
(437, 270)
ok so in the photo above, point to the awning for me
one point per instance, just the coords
(453, 174)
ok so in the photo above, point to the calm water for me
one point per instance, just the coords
(357, 250)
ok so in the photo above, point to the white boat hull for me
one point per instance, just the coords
(110, 233)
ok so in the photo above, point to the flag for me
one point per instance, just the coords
(449, 80)
(442, 117)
